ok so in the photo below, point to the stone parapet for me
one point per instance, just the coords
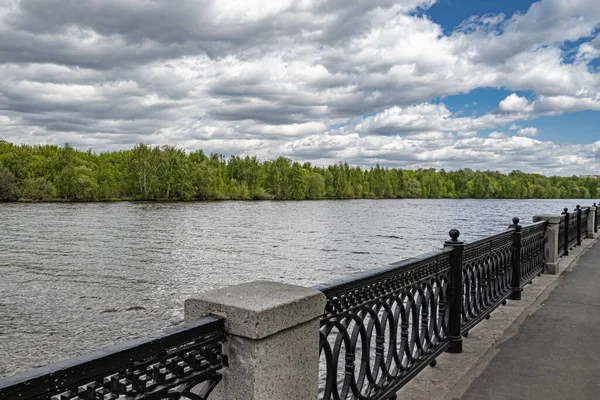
(272, 343)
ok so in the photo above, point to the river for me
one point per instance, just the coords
(76, 277)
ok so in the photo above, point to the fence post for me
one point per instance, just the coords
(595, 226)
(591, 221)
(551, 244)
(578, 225)
(272, 344)
(566, 238)
(516, 261)
(456, 291)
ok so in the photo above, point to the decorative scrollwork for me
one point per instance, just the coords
(583, 223)
(184, 362)
(572, 231)
(561, 235)
(380, 330)
(486, 276)
(533, 240)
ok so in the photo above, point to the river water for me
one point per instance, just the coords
(77, 277)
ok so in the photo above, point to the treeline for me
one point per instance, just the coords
(48, 172)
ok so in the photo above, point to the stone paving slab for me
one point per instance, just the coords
(455, 373)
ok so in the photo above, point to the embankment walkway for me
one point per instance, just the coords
(555, 353)
(544, 346)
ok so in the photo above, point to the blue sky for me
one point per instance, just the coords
(484, 84)
(579, 127)
(450, 13)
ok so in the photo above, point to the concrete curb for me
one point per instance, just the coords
(454, 373)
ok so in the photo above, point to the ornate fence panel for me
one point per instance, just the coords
(380, 329)
(572, 230)
(583, 224)
(561, 236)
(486, 276)
(167, 365)
(533, 240)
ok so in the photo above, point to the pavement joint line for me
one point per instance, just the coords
(454, 373)
(572, 302)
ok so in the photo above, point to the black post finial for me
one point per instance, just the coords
(516, 220)
(454, 234)
(566, 210)
(577, 206)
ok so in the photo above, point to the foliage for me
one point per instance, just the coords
(42, 173)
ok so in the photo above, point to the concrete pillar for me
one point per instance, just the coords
(551, 246)
(272, 341)
(591, 222)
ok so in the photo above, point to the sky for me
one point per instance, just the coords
(482, 84)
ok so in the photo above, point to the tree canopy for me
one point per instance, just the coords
(50, 172)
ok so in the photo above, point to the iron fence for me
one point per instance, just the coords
(562, 228)
(583, 223)
(382, 328)
(167, 365)
(487, 274)
(533, 240)
(572, 232)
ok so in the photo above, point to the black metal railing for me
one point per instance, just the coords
(597, 225)
(533, 241)
(382, 328)
(571, 232)
(583, 223)
(597, 228)
(167, 365)
(487, 277)
(562, 228)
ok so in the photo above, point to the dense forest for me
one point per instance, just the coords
(48, 173)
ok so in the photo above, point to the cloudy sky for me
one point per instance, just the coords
(485, 84)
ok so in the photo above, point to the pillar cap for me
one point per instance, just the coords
(258, 309)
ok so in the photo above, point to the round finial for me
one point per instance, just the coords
(577, 206)
(566, 209)
(594, 205)
(454, 234)
(516, 220)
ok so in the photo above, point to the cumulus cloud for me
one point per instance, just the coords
(313, 80)
(530, 131)
(497, 135)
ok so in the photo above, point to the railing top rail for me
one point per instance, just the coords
(42, 381)
(535, 225)
(486, 239)
(358, 280)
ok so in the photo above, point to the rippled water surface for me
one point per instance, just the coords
(76, 277)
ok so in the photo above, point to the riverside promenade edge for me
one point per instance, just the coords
(545, 346)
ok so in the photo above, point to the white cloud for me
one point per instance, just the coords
(497, 135)
(515, 104)
(311, 79)
(530, 131)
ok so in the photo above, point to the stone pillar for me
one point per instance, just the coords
(591, 222)
(551, 246)
(272, 344)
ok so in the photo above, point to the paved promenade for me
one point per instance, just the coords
(555, 353)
